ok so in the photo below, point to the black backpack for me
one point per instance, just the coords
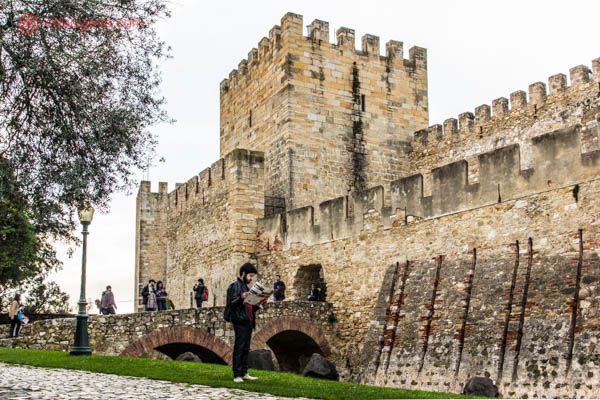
(227, 311)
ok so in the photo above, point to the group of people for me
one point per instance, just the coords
(279, 291)
(155, 297)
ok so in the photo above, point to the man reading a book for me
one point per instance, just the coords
(241, 314)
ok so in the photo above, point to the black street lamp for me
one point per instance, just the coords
(81, 345)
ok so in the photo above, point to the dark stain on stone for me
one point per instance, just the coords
(396, 314)
(383, 343)
(465, 317)
(358, 144)
(509, 306)
(575, 305)
(523, 308)
(431, 313)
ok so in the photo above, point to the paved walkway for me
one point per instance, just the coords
(22, 382)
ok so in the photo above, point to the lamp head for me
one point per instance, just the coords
(86, 215)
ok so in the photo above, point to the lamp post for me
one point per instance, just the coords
(81, 345)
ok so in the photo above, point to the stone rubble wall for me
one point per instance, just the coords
(557, 161)
(112, 334)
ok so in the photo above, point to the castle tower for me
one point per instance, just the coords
(302, 120)
(330, 118)
(150, 254)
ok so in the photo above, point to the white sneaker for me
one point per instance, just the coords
(249, 378)
(238, 380)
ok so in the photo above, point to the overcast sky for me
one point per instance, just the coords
(477, 51)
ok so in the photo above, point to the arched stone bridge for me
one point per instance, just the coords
(291, 330)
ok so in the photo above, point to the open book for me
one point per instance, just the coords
(258, 293)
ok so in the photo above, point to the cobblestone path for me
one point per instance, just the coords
(23, 382)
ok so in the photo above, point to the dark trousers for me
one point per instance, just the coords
(107, 311)
(241, 347)
(15, 327)
(162, 304)
(199, 301)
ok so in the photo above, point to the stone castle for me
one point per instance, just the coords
(447, 251)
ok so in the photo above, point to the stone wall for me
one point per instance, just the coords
(434, 331)
(432, 277)
(150, 245)
(556, 161)
(140, 334)
(498, 125)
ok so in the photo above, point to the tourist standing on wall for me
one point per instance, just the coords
(278, 290)
(15, 314)
(161, 296)
(107, 304)
(98, 305)
(315, 293)
(149, 296)
(242, 316)
(200, 293)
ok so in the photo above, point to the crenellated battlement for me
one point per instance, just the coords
(298, 95)
(266, 53)
(210, 185)
(521, 109)
(558, 160)
(281, 39)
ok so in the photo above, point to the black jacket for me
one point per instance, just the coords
(145, 293)
(235, 309)
(279, 290)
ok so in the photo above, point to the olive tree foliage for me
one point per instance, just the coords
(79, 88)
(39, 296)
(25, 259)
(20, 250)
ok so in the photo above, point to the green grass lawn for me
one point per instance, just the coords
(276, 383)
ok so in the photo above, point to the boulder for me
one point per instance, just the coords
(481, 386)
(261, 359)
(319, 367)
(188, 356)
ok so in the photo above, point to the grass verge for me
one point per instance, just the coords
(275, 383)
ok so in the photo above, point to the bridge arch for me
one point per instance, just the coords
(177, 339)
(292, 340)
